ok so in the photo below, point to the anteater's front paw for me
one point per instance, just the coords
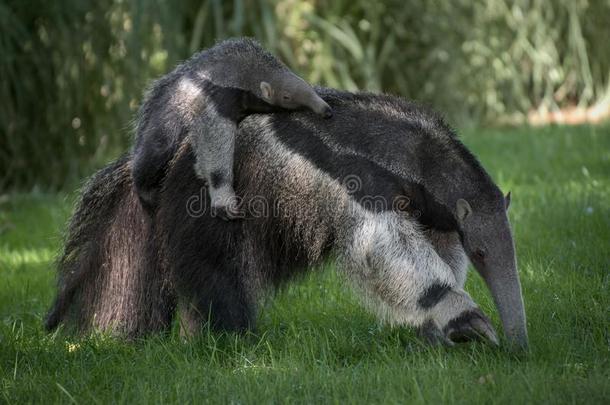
(433, 335)
(470, 325)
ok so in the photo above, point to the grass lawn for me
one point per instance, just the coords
(315, 343)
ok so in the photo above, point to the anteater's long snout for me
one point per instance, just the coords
(505, 289)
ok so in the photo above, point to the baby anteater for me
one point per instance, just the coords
(205, 98)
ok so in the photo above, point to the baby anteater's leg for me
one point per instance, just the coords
(154, 149)
(213, 141)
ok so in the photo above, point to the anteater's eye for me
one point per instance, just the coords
(479, 254)
(286, 97)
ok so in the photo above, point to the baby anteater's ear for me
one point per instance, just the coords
(266, 91)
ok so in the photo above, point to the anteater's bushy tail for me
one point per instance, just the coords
(110, 275)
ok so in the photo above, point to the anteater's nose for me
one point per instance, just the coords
(327, 112)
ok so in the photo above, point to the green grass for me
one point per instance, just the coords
(315, 343)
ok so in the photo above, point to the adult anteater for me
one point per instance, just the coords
(385, 187)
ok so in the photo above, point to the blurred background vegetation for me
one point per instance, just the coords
(72, 72)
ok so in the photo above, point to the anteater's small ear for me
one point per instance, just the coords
(462, 210)
(507, 201)
(266, 91)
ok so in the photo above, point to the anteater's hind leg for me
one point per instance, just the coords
(215, 299)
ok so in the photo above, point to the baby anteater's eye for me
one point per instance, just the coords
(286, 97)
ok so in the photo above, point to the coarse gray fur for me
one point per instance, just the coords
(407, 261)
(205, 98)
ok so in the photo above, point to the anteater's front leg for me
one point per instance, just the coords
(449, 247)
(407, 281)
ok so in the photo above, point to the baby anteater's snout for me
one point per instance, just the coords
(327, 112)
(320, 107)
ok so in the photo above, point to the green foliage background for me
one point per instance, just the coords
(72, 72)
